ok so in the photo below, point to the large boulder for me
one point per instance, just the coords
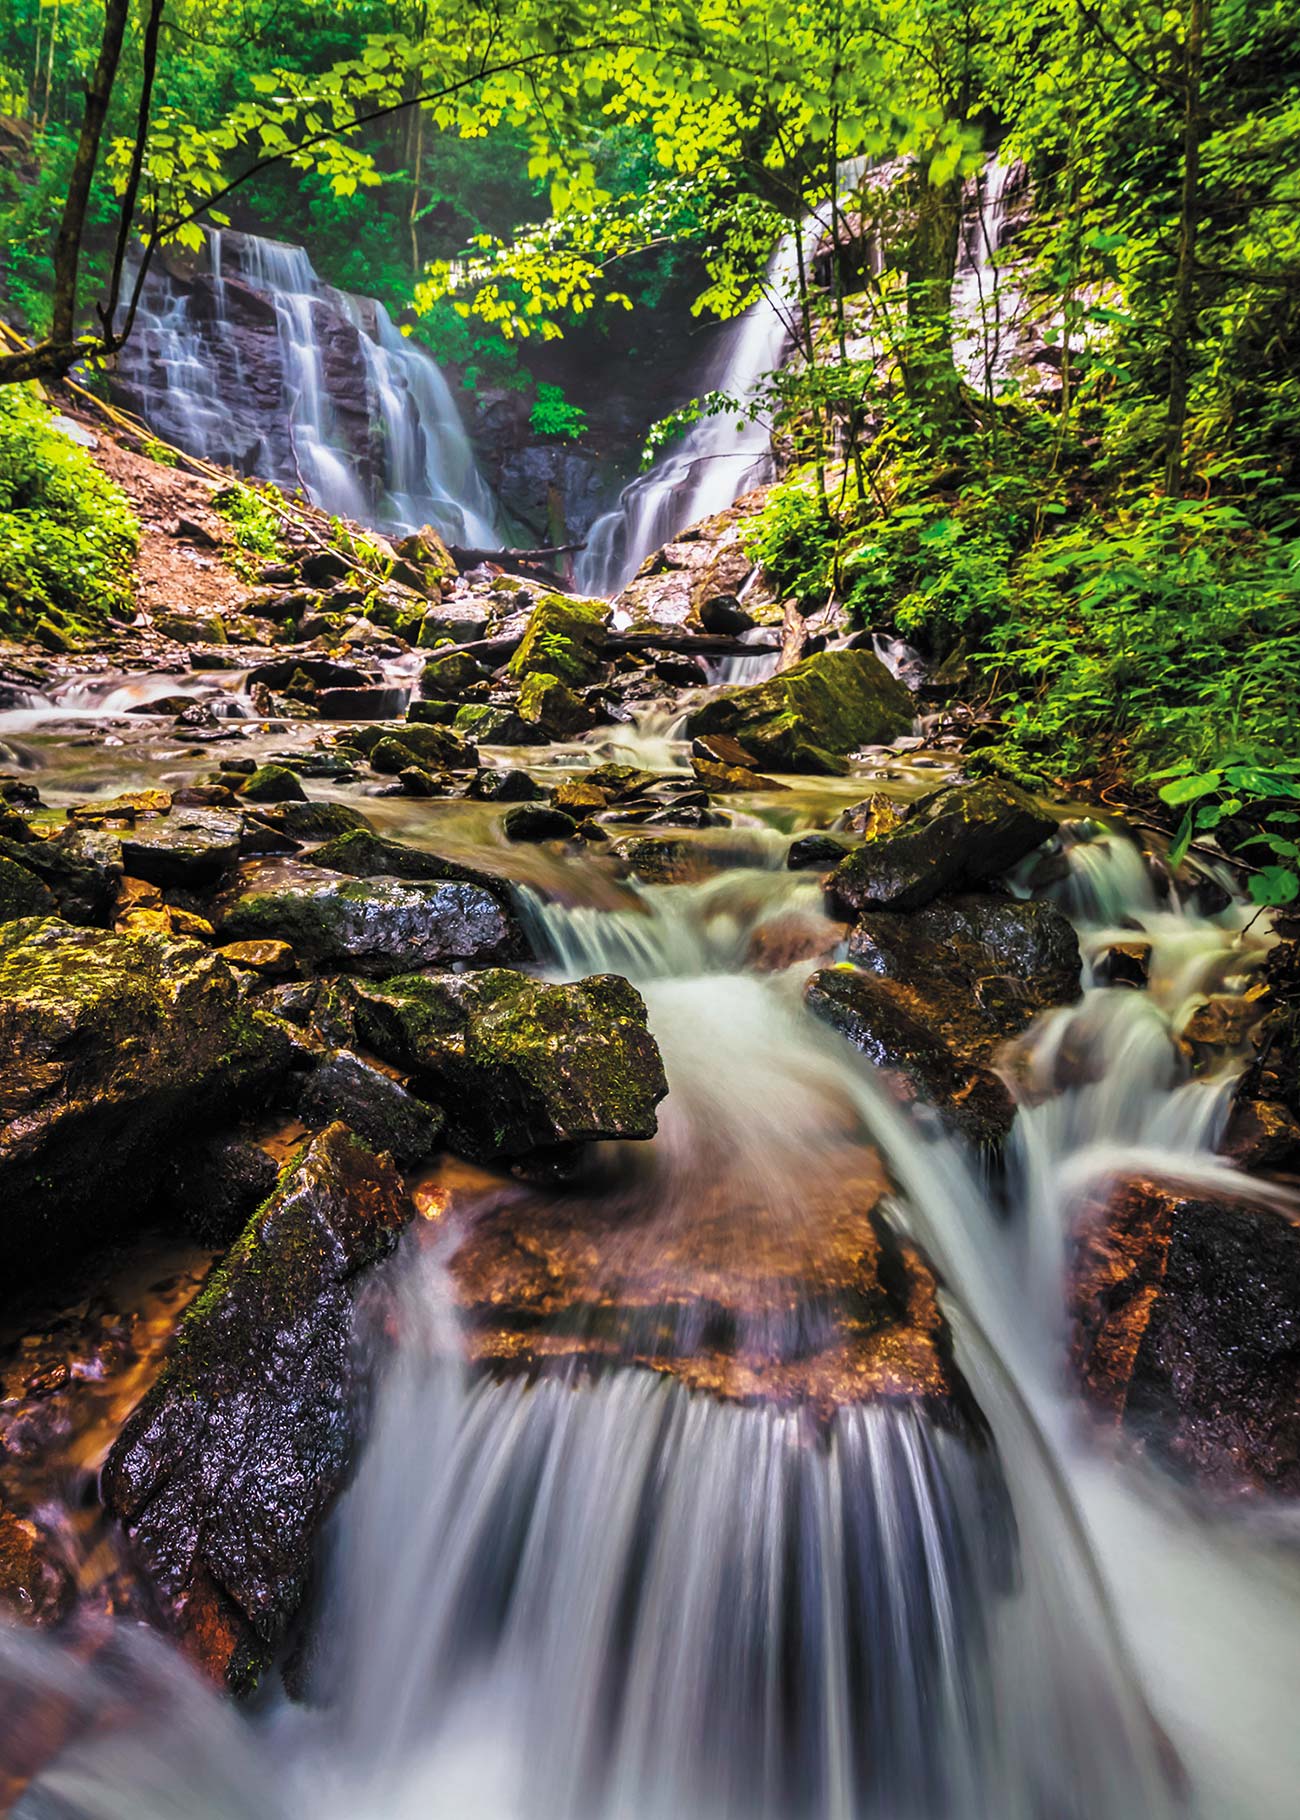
(187, 846)
(808, 717)
(1185, 1329)
(117, 1047)
(22, 893)
(565, 639)
(366, 925)
(82, 867)
(362, 854)
(520, 1065)
(952, 841)
(381, 1112)
(935, 994)
(225, 1472)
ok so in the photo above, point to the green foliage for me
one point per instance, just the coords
(1254, 807)
(256, 524)
(554, 415)
(67, 534)
(796, 540)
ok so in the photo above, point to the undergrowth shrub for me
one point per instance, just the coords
(67, 533)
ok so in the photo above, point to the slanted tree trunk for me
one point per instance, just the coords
(930, 376)
(1182, 320)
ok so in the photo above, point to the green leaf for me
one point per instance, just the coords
(1275, 885)
(1190, 789)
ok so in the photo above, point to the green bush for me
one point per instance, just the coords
(67, 534)
(553, 415)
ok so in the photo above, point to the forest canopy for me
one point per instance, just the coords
(1109, 544)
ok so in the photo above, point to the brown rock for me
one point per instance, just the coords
(1185, 1313)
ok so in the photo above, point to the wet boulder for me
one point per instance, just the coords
(81, 866)
(367, 925)
(190, 847)
(117, 1049)
(224, 1474)
(809, 717)
(381, 1112)
(216, 1184)
(362, 854)
(309, 821)
(421, 744)
(272, 784)
(447, 678)
(893, 1031)
(565, 638)
(537, 821)
(552, 708)
(999, 959)
(1185, 1329)
(22, 893)
(954, 840)
(521, 1066)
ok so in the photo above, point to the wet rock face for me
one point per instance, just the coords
(521, 1066)
(374, 926)
(377, 1108)
(952, 841)
(821, 1307)
(1185, 1331)
(187, 846)
(82, 867)
(225, 1472)
(22, 893)
(808, 717)
(113, 1044)
(936, 992)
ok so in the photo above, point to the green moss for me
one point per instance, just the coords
(565, 638)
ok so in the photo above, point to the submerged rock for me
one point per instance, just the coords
(370, 925)
(116, 1047)
(1185, 1312)
(519, 1065)
(953, 840)
(809, 717)
(225, 1472)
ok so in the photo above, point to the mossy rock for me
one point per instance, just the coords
(552, 707)
(224, 1475)
(360, 853)
(439, 748)
(492, 725)
(565, 638)
(308, 821)
(272, 784)
(520, 1065)
(955, 839)
(447, 678)
(117, 1048)
(809, 717)
(22, 893)
(382, 1112)
(374, 926)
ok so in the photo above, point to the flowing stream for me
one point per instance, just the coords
(613, 1597)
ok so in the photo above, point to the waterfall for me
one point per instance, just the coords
(716, 460)
(259, 365)
(983, 302)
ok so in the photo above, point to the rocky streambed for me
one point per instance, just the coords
(727, 1090)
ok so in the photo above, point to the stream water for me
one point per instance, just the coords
(614, 1598)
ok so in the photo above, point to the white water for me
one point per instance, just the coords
(717, 459)
(612, 1600)
(182, 360)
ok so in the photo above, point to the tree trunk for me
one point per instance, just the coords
(930, 377)
(67, 249)
(1182, 320)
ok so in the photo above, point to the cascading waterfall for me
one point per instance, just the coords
(715, 461)
(605, 1597)
(384, 445)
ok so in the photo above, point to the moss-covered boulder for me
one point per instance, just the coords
(374, 926)
(954, 840)
(310, 821)
(117, 1048)
(416, 743)
(552, 707)
(808, 717)
(493, 725)
(22, 893)
(520, 1065)
(446, 678)
(272, 784)
(565, 638)
(225, 1472)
